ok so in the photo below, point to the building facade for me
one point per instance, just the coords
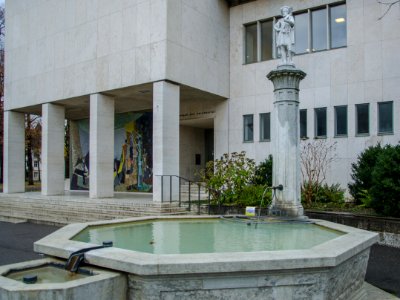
(159, 87)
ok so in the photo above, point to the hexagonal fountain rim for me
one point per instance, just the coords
(327, 254)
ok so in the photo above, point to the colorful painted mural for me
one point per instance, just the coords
(132, 153)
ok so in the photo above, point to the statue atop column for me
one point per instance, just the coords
(285, 36)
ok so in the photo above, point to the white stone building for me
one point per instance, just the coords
(199, 68)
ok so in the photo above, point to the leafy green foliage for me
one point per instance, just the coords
(263, 172)
(362, 172)
(252, 195)
(385, 189)
(376, 176)
(227, 177)
(322, 194)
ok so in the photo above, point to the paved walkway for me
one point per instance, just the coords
(16, 245)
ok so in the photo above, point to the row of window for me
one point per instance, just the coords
(385, 122)
(315, 30)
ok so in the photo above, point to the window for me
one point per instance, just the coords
(385, 117)
(265, 127)
(35, 164)
(319, 31)
(341, 120)
(301, 33)
(320, 122)
(315, 30)
(362, 119)
(251, 43)
(248, 128)
(267, 40)
(303, 123)
(338, 26)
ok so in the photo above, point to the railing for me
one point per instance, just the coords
(190, 183)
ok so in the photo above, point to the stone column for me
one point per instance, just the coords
(101, 146)
(14, 152)
(53, 165)
(165, 139)
(285, 141)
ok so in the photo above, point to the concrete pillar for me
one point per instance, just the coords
(101, 146)
(14, 152)
(285, 141)
(53, 165)
(165, 140)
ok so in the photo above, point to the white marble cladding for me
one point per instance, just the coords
(53, 165)
(366, 71)
(14, 152)
(59, 49)
(101, 146)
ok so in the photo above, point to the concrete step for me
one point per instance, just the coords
(64, 210)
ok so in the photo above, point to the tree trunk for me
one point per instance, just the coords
(29, 149)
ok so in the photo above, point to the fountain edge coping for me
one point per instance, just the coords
(11, 285)
(325, 255)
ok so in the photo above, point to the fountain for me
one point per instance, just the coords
(205, 257)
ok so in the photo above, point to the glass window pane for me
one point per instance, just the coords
(320, 122)
(319, 39)
(251, 43)
(248, 128)
(338, 26)
(362, 111)
(265, 127)
(385, 117)
(303, 123)
(301, 33)
(266, 40)
(341, 120)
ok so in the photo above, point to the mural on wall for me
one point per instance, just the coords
(132, 153)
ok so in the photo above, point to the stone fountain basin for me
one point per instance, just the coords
(100, 284)
(332, 270)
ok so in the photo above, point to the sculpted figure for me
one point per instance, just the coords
(285, 36)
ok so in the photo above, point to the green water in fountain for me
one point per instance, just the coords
(46, 274)
(207, 236)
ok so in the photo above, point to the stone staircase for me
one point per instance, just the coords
(194, 192)
(73, 208)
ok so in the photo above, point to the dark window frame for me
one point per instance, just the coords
(368, 120)
(381, 132)
(262, 137)
(244, 128)
(328, 7)
(316, 135)
(306, 125)
(336, 121)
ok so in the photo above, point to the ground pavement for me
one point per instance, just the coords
(16, 245)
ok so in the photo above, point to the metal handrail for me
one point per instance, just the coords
(190, 182)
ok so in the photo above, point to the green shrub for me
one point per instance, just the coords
(362, 172)
(385, 188)
(322, 194)
(228, 176)
(263, 172)
(251, 195)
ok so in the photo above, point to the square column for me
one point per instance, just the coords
(14, 152)
(101, 146)
(165, 140)
(53, 166)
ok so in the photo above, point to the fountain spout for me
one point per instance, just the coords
(77, 257)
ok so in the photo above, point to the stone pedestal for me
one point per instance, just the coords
(285, 141)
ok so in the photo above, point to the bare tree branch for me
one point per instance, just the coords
(388, 6)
